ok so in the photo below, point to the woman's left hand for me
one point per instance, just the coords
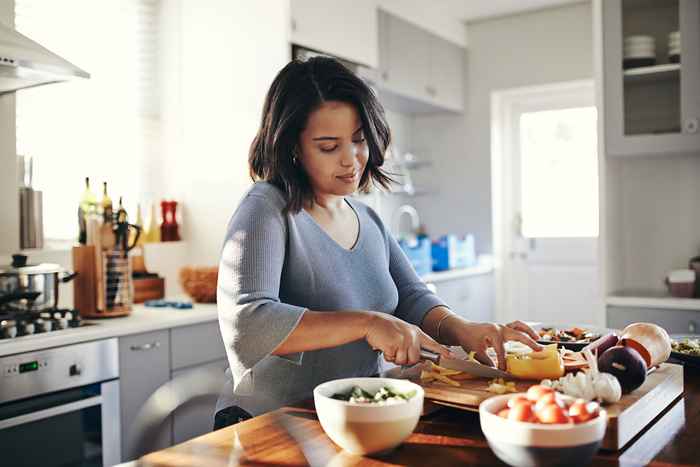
(478, 337)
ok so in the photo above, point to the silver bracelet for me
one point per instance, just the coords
(437, 332)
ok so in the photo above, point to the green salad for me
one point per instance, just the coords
(687, 347)
(385, 395)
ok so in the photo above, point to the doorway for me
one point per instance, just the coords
(545, 204)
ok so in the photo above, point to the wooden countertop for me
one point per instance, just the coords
(446, 437)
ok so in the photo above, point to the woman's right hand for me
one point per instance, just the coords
(400, 341)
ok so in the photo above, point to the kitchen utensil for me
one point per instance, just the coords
(527, 444)
(20, 277)
(467, 366)
(31, 217)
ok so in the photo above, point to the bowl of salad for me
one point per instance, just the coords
(368, 415)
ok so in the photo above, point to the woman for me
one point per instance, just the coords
(312, 286)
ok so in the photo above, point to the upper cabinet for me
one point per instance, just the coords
(418, 71)
(347, 30)
(651, 53)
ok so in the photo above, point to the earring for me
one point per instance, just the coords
(295, 157)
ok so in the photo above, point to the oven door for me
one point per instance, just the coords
(75, 427)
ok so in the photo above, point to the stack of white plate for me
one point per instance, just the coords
(674, 46)
(639, 51)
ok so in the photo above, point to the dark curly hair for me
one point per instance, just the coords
(299, 89)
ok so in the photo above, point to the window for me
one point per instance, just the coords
(107, 127)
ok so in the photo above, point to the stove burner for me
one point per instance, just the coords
(15, 324)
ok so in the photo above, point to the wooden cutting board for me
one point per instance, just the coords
(626, 418)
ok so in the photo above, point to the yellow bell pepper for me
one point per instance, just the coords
(546, 364)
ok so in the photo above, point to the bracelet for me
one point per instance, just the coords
(439, 324)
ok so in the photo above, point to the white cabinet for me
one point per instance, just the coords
(144, 366)
(652, 109)
(345, 29)
(419, 71)
(470, 297)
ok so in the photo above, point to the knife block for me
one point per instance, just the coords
(103, 287)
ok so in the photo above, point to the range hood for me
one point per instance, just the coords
(25, 64)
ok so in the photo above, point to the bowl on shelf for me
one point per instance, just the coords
(525, 444)
(367, 428)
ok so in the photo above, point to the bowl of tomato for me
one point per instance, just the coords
(542, 427)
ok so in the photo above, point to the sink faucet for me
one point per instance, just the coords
(398, 214)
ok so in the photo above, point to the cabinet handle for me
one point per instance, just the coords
(152, 345)
(691, 125)
(692, 327)
(385, 75)
(294, 25)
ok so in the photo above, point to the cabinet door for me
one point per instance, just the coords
(144, 366)
(196, 344)
(196, 417)
(345, 29)
(651, 110)
(408, 56)
(446, 73)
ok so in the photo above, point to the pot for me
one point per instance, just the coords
(28, 287)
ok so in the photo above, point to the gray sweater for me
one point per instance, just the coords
(274, 267)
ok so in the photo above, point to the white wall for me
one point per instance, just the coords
(9, 206)
(528, 49)
(229, 52)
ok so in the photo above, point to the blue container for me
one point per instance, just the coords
(452, 252)
(418, 252)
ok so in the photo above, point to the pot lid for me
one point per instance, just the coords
(19, 266)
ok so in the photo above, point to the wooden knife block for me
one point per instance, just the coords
(89, 285)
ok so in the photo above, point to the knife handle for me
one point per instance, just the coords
(430, 356)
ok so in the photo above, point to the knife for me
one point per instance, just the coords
(467, 366)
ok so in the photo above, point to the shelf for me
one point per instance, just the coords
(650, 74)
(652, 300)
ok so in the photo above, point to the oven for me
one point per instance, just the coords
(60, 407)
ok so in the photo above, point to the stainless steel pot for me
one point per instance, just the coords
(31, 287)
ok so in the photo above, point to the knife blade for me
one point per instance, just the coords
(467, 366)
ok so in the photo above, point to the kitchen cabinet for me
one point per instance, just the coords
(195, 348)
(196, 417)
(654, 109)
(417, 65)
(345, 29)
(470, 297)
(144, 366)
(673, 321)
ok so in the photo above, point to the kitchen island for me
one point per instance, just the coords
(445, 437)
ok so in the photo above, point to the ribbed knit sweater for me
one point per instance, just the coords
(275, 266)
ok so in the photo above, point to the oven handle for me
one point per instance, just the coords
(50, 412)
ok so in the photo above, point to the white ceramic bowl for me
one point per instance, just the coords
(524, 444)
(367, 428)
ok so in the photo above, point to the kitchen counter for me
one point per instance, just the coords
(142, 319)
(446, 437)
(484, 266)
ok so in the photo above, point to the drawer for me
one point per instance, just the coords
(673, 321)
(193, 345)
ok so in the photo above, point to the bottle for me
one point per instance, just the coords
(88, 202)
(152, 231)
(106, 205)
(86, 208)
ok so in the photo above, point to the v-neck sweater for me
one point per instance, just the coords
(274, 266)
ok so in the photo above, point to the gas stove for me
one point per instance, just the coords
(15, 324)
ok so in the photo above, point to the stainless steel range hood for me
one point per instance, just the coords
(24, 63)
